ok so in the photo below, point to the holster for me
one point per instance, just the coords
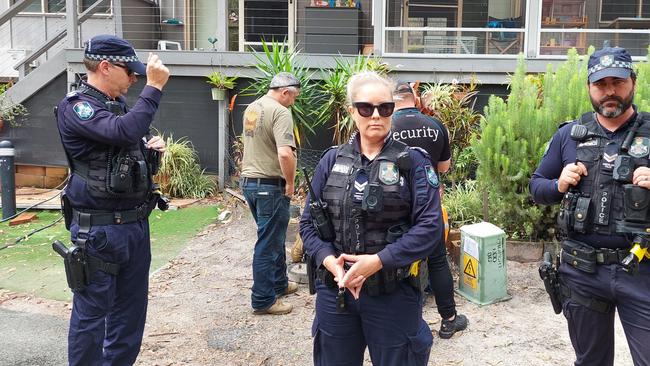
(76, 268)
(66, 210)
(579, 255)
(419, 275)
(565, 218)
(311, 273)
(549, 274)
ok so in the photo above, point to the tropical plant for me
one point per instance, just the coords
(10, 112)
(221, 81)
(334, 86)
(453, 105)
(280, 57)
(180, 174)
(513, 137)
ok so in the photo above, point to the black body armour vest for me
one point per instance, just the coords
(600, 202)
(360, 230)
(111, 171)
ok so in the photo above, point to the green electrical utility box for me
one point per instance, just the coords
(483, 278)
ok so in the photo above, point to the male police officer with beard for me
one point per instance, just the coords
(597, 167)
(108, 199)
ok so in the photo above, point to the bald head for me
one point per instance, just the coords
(404, 99)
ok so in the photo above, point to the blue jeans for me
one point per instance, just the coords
(270, 209)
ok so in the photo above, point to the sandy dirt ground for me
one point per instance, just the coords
(199, 314)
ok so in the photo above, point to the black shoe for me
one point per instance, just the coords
(449, 327)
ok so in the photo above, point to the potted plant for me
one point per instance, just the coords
(10, 112)
(220, 83)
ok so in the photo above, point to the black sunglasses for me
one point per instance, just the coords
(367, 109)
(129, 72)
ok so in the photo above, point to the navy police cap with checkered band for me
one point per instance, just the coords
(113, 49)
(609, 62)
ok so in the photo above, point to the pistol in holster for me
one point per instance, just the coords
(77, 271)
(550, 275)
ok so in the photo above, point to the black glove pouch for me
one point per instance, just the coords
(636, 201)
(579, 255)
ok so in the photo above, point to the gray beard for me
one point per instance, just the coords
(611, 113)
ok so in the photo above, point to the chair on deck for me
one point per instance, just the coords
(504, 41)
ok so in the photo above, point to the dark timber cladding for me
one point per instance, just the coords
(186, 110)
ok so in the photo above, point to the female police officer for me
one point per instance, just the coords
(384, 206)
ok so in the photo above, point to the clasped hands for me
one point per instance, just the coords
(362, 266)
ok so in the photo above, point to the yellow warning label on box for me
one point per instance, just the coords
(470, 270)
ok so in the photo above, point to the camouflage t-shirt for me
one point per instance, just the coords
(267, 125)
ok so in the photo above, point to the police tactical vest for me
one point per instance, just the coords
(359, 231)
(111, 171)
(599, 203)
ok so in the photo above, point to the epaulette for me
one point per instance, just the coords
(72, 95)
(424, 152)
(565, 123)
(328, 149)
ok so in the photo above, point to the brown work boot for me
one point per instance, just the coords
(278, 308)
(291, 288)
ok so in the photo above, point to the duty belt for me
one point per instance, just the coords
(610, 256)
(99, 217)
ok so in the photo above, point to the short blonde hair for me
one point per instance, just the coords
(366, 77)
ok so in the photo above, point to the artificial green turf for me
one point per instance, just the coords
(33, 267)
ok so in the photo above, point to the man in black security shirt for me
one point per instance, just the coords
(419, 130)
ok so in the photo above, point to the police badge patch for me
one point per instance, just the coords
(388, 172)
(640, 147)
(432, 177)
(84, 110)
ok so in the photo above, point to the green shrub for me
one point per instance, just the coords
(514, 134)
(463, 203)
(180, 174)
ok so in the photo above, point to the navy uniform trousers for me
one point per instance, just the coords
(592, 332)
(108, 316)
(390, 325)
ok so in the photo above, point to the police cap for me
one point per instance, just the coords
(113, 49)
(609, 62)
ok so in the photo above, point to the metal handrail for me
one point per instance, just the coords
(13, 10)
(20, 66)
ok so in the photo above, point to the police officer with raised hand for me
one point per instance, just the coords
(383, 202)
(596, 167)
(109, 197)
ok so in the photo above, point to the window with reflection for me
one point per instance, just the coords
(500, 16)
(564, 24)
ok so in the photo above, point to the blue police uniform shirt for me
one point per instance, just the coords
(414, 128)
(82, 129)
(561, 151)
(415, 188)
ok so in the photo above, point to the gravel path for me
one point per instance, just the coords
(199, 314)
